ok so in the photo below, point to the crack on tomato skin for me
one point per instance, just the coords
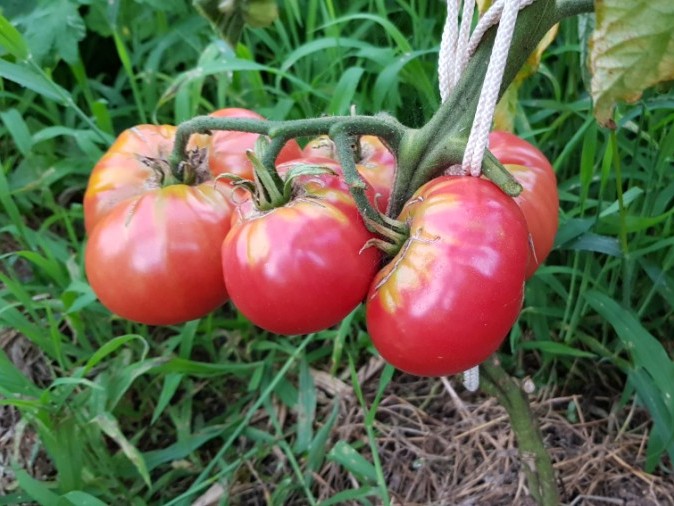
(310, 199)
(132, 211)
(532, 248)
(412, 201)
(401, 256)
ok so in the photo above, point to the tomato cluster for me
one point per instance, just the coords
(161, 251)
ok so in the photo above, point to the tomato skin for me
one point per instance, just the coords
(299, 268)
(126, 169)
(377, 165)
(227, 150)
(155, 258)
(447, 300)
(539, 199)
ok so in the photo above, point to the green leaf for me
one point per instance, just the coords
(13, 381)
(171, 384)
(112, 346)
(79, 498)
(33, 80)
(306, 409)
(632, 48)
(184, 447)
(345, 455)
(345, 91)
(317, 447)
(345, 496)
(11, 40)
(662, 438)
(54, 30)
(36, 489)
(109, 425)
(556, 349)
(65, 445)
(646, 351)
(595, 242)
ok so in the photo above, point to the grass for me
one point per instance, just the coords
(129, 414)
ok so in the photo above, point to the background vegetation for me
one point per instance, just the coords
(131, 414)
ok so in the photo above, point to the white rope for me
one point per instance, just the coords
(456, 48)
(479, 133)
(471, 379)
(447, 56)
(489, 19)
(464, 33)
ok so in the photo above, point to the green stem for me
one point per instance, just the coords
(624, 245)
(269, 193)
(204, 125)
(454, 118)
(383, 126)
(343, 140)
(536, 461)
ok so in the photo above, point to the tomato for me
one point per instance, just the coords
(155, 258)
(135, 163)
(227, 151)
(153, 254)
(301, 267)
(539, 199)
(447, 300)
(376, 165)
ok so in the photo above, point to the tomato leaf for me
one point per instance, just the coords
(632, 49)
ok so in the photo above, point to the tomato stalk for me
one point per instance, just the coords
(535, 459)
(425, 151)
(345, 154)
(381, 125)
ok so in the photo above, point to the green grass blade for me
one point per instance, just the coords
(346, 456)
(11, 40)
(36, 489)
(13, 381)
(109, 425)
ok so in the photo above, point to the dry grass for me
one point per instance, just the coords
(437, 446)
(18, 441)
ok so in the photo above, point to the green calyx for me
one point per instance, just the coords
(268, 189)
(392, 235)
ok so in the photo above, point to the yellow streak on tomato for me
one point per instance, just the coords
(409, 270)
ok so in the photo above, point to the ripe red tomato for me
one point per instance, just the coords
(446, 301)
(155, 258)
(153, 254)
(299, 268)
(539, 199)
(376, 165)
(227, 150)
(135, 163)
